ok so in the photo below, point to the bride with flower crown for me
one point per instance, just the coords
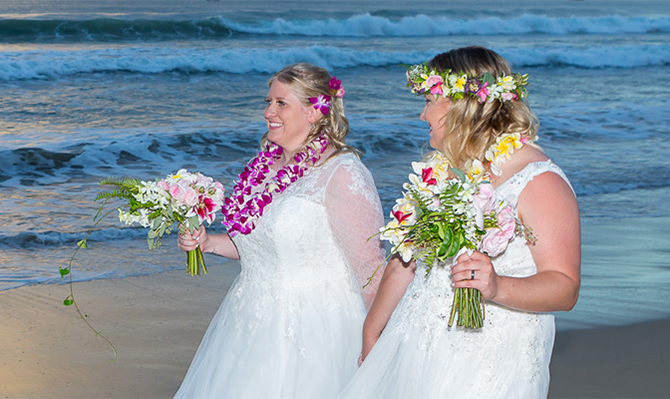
(479, 124)
(299, 220)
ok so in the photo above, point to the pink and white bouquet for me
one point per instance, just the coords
(184, 198)
(444, 211)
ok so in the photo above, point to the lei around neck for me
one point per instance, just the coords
(246, 205)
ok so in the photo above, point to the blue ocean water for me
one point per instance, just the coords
(126, 88)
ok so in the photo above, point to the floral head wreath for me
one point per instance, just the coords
(322, 102)
(486, 87)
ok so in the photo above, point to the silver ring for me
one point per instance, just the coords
(472, 274)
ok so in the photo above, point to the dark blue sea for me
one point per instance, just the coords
(90, 89)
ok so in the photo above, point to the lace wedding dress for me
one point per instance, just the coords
(418, 356)
(290, 325)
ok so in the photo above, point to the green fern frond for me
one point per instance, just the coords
(119, 193)
(125, 187)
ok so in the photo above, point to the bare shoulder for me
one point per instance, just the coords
(547, 193)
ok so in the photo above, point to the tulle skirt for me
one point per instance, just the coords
(418, 356)
(279, 342)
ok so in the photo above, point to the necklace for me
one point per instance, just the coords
(244, 206)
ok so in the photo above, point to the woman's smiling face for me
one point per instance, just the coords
(435, 113)
(288, 120)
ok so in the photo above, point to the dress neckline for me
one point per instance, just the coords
(518, 175)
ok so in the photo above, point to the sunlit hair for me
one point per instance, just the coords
(471, 127)
(307, 81)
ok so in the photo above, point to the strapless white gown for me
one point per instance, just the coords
(418, 356)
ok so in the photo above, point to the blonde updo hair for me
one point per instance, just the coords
(307, 81)
(470, 127)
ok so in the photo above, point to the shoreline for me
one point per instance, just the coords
(156, 323)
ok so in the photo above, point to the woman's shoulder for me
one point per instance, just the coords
(530, 164)
(344, 162)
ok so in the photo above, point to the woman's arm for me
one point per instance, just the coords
(548, 206)
(355, 216)
(395, 280)
(219, 244)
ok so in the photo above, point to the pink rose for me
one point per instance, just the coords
(506, 221)
(162, 184)
(494, 242)
(177, 192)
(435, 84)
(485, 198)
(191, 197)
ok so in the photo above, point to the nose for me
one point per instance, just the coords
(423, 113)
(269, 111)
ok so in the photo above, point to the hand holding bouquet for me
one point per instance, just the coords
(187, 199)
(184, 198)
(443, 211)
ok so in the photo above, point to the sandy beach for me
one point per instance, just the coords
(156, 323)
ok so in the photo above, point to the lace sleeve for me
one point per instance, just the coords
(355, 216)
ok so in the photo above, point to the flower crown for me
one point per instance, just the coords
(486, 88)
(322, 102)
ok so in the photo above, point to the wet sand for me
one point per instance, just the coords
(156, 323)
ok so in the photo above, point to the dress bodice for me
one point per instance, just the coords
(303, 234)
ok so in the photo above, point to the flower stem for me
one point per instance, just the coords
(469, 305)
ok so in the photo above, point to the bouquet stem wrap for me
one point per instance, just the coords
(195, 262)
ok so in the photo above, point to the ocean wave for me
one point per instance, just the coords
(361, 25)
(366, 25)
(109, 29)
(137, 154)
(51, 64)
(41, 239)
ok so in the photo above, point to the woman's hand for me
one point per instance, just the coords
(476, 271)
(189, 242)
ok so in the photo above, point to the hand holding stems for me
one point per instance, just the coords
(192, 243)
(478, 265)
(188, 241)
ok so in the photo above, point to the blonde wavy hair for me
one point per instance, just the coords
(307, 81)
(470, 127)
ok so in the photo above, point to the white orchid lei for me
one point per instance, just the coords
(444, 210)
(486, 87)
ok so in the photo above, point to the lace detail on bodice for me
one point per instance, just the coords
(303, 243)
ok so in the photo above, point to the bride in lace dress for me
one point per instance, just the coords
(418, 355)
(299, 220)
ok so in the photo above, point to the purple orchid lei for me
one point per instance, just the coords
(243, 207)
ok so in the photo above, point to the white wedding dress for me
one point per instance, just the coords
(290, 325)
(418, 356)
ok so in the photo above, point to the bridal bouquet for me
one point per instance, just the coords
(187, 199)
(444, 211)
(184, 198)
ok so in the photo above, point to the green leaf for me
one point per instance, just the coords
(459, 173)
(82, 244)
(63, 272)
(440, 231)
(447, 243)
(68, 301)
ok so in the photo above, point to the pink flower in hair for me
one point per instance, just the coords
(483, 92)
